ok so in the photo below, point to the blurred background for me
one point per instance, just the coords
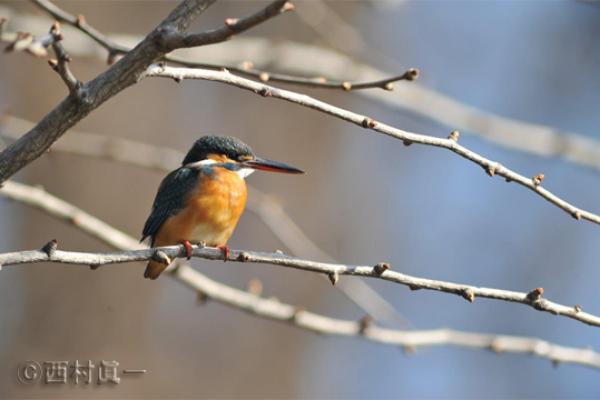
(365, 198)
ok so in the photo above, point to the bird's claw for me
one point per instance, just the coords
(188, 248)
(226, 252)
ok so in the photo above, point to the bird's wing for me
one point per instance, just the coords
(169, 199)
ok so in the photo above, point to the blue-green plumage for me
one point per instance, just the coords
(170, 199)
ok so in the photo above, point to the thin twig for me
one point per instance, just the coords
(318, 82)
(61, 64)
(26, 42)
(296, 316)
(246, 69)
(492, 168)
(80, 23)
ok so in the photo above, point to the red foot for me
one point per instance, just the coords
(226, 252)
(188, 248)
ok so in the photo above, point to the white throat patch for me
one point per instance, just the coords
(244, 172)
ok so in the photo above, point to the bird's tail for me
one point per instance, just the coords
(154, 269)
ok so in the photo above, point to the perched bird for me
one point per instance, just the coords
(202, 201)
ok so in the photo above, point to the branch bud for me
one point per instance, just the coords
(454, 135)
(230, 22)
(201, 297)
(243, 257)
(288, 7)
(50, 247)
(535, 294)
(538, 179)
(364, 323)
(381, 268)
(80, 20)
(334, 277)
(412, 74)
(468, 295)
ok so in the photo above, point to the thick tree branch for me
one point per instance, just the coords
(296, 316)
(126, 72)
(492, 168)
(246, 68)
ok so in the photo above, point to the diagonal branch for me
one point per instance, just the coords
(80, 23)
(492, 168)
(233, 26)
(271, 308)
(246, 69)
(126, 72)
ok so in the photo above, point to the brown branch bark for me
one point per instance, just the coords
(167, 36)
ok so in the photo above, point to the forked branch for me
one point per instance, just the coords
(246, 68)
(169, 34)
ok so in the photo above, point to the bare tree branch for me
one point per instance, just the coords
(492, 168)
(275, 310)
(410, 340)
(36, 196)
(285, 55)
(126, 72)
(246, 68)
(80, 23)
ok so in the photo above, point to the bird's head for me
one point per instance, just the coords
(232, 151)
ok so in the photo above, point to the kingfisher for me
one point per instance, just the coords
(201, 201)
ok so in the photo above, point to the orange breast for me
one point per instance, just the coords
(212, 211)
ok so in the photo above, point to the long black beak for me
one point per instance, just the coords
(273, 166)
